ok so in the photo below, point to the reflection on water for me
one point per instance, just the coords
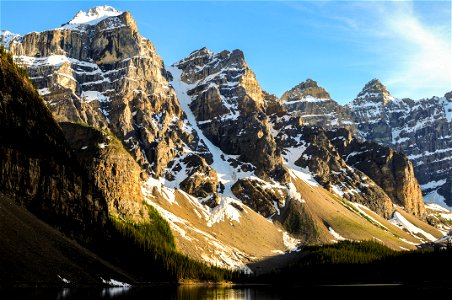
(194, 292)
(177, 293)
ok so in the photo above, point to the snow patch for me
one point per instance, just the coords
(400, 221)
(290, 242)
(92, 16)
(116, 283)
(336, 235)
(6, 37)
(434, 197)
(159, 185)
(433, 184)
(307, 98)
(43, 92)
(294, 194)
(89, 96)
(64, 280)
(436, 207)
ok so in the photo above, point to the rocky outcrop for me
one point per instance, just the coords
(231, 108)
(105, 74)
(420, 129)
(201, 180)
(37, 167)
(111, 168)
(305, 90)
(315, 106)
(298, 221)
(390, 170)
(311, 149)
(331, 171)
(260, 196)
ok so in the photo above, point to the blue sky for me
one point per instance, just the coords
(340, 44)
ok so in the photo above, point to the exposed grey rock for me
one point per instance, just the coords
(320, 156)
(231, 108)
(37, 167)
(315, 106)
(420, 129)
(108, 76)
(389, 169)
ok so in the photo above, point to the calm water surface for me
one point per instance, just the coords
(209, 293)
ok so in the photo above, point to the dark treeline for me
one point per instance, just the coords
(349, 262)
(148, 252)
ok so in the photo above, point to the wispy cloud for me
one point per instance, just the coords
(420, 53)
(408, 43)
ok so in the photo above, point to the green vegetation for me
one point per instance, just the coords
(145, 251)
(5, 55)
(300, 223)
(349, 262)
(156, 234)
(348, 252)
(149, 250)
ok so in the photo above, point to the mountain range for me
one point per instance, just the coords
(113, 136)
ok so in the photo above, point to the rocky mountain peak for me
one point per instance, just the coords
(6, 37)
(94, 15)
(448, 96)
(230, 107)
(102, 72)
(375, 91)
(308, 90)
(204, 51)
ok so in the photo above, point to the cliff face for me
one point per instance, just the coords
(226, 104)
(313, 103)
(105, 74)
(311, 149)
(230, 108)
(389, 169)
(111, 168)
(37, 167)
(419, 129)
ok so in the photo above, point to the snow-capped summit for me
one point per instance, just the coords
(93, 16)
(6, 37)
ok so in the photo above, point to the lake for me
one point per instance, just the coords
(209, 292)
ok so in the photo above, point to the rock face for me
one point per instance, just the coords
(420, 129)
(264, 199)
(202, 180)
(315, 106)
(308, 89)
(203, 125)
(311, 148)
(231, 108)
(37, 167)
(111, 168)
(390, 170)
(231, 111)
(97, 69)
